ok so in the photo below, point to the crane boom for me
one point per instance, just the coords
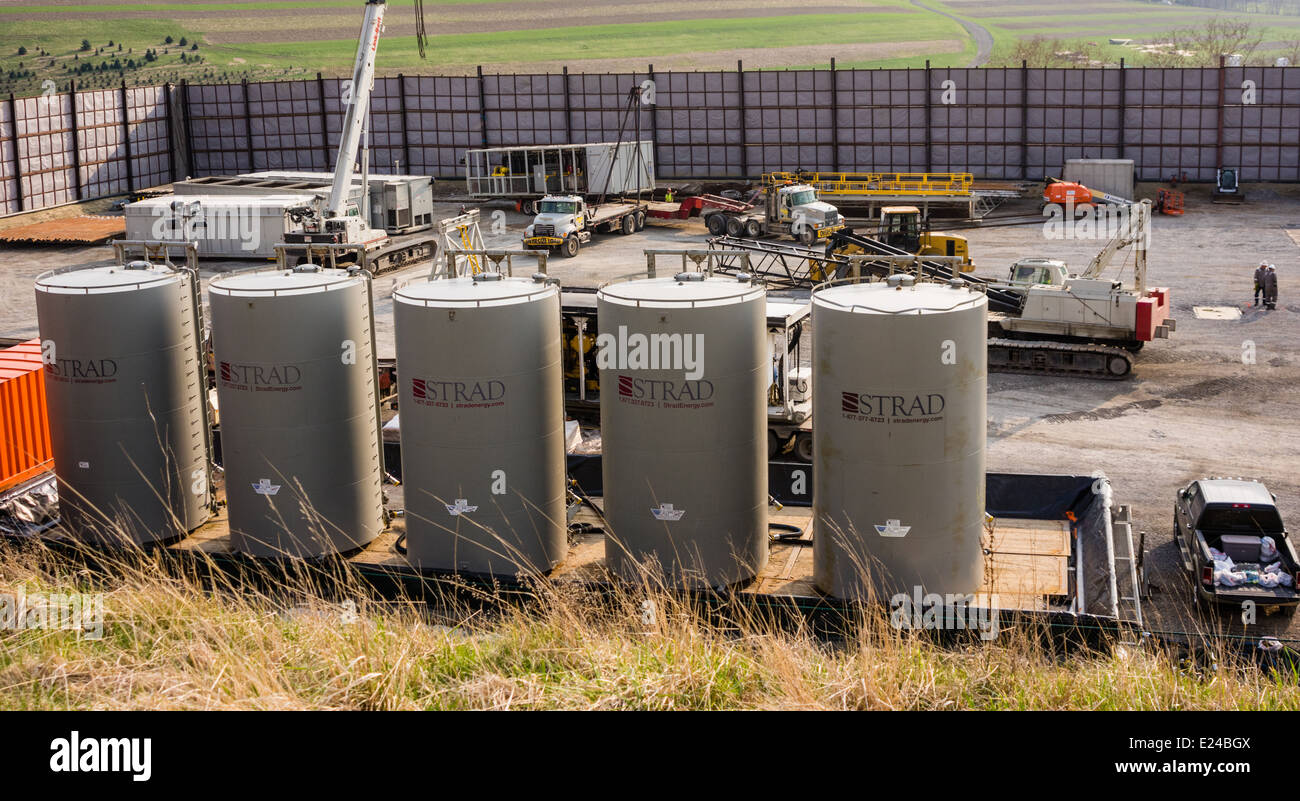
(358, 102)
(1136, 231)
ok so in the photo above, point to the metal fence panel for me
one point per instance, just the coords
(1009, 123)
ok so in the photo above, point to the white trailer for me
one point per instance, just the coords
(533, 171)
(220, 226)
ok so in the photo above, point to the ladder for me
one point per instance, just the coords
(461, 238)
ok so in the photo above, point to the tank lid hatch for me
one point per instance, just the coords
(714, 290)
(283, 282)
(115, 278)
(464, 291)
(881, 298)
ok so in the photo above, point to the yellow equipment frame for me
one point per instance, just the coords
(867, 184)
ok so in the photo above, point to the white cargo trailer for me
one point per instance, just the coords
(1112, 176)
(229, 226)
(399, 204)
(532, 171)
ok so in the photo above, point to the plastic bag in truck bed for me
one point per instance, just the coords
(1229, 578)
(1274, 576)
(1267, 550)
(1238, 575)
(1222, 561)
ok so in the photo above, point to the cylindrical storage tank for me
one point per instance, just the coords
(296, 381)
(684, 374)
(124, 386)
(900, 376)
(482, 422)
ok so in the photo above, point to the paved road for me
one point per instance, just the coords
(983, 39)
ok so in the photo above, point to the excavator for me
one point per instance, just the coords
(1043, 320)
(1104, 317)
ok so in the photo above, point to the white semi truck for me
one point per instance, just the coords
(792, 210)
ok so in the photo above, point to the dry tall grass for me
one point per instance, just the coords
(177, 643)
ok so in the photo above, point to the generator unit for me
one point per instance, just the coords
(222, 225)
(399, 204)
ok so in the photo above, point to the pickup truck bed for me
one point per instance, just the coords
(1208, 512)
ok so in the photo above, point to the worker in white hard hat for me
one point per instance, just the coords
(1260, 272)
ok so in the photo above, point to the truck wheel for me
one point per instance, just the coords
(735, 227)
(803, 446)
(640, 221)
(717, 223)
(629, 224)
(570, 247)
(807, 235)
(753, 230)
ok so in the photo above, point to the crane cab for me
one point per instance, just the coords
(1028, 272)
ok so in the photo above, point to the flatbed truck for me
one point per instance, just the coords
(567, 222)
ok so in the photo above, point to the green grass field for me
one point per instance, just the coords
(295, 39)
(1095, 22)
(646, 41)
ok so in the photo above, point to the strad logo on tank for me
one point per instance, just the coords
(77, 754)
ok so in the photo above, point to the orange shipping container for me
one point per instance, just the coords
(25, 450)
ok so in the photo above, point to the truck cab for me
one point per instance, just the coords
(316, 226)
(797, 210)
(1234, 545)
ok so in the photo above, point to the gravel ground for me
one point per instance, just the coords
(1194, 408)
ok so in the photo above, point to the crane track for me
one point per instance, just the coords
(1036, 357)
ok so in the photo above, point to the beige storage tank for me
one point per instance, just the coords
(126, 401)
(297, 385)
(482, 421)
(899, 391)
(684, 372)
